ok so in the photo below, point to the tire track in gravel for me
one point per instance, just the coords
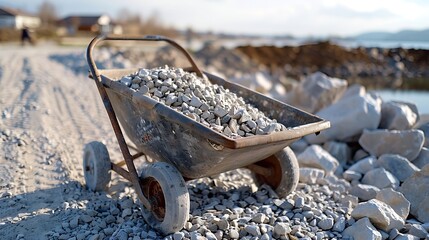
(54, 112)
(11, 64)
(23, 100)
(20, 93)
(78, 94)
(77, 108)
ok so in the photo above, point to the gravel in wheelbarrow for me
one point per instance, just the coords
(209, 104)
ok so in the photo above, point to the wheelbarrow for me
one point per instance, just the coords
(183, 149)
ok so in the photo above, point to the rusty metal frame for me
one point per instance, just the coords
(131, 175)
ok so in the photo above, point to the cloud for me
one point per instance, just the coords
(346, 12)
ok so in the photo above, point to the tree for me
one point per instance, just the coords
(125, 16)
(47, 13)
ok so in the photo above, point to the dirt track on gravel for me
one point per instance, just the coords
(47, 114)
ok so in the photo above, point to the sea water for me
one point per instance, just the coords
(419, 98)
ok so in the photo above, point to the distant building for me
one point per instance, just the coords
(92, 24)
(16, 19)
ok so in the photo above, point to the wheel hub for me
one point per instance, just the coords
(89, 164)
(153, 192)
(273, 164)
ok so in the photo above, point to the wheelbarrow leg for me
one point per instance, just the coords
(133, 176)
(135, 156)
(132, 172)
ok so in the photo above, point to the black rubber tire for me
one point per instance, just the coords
(285, 169)
(96, 166)
(176, 202)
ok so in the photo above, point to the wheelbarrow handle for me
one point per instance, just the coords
(99, 38)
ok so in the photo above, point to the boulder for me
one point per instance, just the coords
(316, 91)
(316, 157)
(259, 81)
(278, 91)
(362, 230)
(348, 118)
(364, 165)
(417, 230)
(379, 213)
(406, 143)
(397, 116)
(310, 175)
(399, 166)
(353, 90)
(415, 189)
(426, 226)
(425, 128)
(413, 108)
(360, 154)
(339, 150)
(423, 158)
(364, 192)
(350, 175)
(404, 236)
(380, 178)
(396, 200)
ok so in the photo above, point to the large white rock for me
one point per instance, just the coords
(316, 157)
(362, 230)
(349, 117)
(278, 91)
(379, 213)
(339, 150)
(316, 91)
(396, 200)
(350, 175)
(353, 90)
(425, 128)
(404, 236)
(399, 166)
(259, 81)
(310, 175)
(364, 192)
(416, 190)
(380, 178)
(417, 230)
(397, 116)
(364, 165)
(423, 158)
(406, 143)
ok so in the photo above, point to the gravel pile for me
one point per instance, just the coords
(209, 104)
(228, 206)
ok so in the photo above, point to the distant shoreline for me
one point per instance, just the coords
(375, 68)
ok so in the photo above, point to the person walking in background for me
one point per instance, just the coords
(25, 36)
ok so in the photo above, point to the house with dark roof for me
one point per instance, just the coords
(17, 19)
(92, 24)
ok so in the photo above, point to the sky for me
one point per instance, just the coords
(300, 18)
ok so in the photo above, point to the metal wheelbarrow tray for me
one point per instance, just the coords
(195, 150)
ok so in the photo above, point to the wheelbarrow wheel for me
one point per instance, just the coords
(168, 195)
(284, 172)
(96, 166)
